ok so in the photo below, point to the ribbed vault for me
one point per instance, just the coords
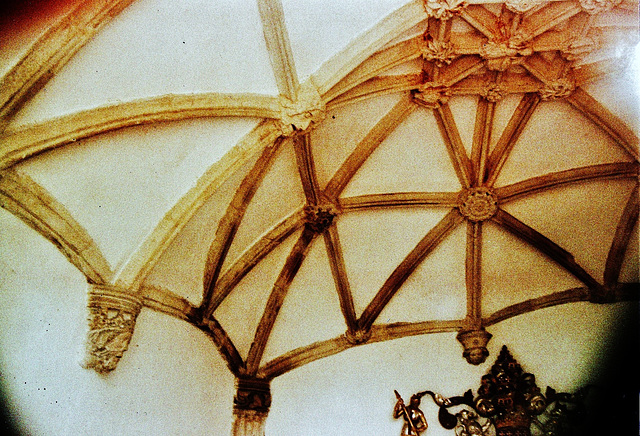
(472, 75)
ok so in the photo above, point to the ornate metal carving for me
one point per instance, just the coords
(112, 318)
(507, 402)
(414, 421)
(477, 204)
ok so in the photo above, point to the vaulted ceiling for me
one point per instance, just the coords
(306, 181)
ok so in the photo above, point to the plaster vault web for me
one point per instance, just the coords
(428, 55)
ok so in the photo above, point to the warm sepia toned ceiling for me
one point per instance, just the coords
(310, 179)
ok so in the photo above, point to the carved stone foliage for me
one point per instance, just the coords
(499, 56)
(443, 9)
(556, 89)
(112, 318)
(431, 95)
(441, 53)
(304, 112)
(597, 6)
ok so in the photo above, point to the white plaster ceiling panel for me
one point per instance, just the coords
(592, 222)
(463, 109)
(318, 29)
(342, 129)
(504, 109)
(157, 47)
(557, 137)
(524, 274)
(311, 309)
(240, 313)
(120, 184)
(278, 196)
(412, 158)
(375, 242)
(618, 92)
(180, 268)
(436, 289)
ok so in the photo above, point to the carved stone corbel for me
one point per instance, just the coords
(112, 317)
(304, 113)
(251, 406)
(475, 345)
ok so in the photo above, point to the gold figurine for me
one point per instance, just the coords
(414, 421)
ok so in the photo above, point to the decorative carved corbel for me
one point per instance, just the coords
(475, 345)
(251, 406)
(112, 318)
(304, 113)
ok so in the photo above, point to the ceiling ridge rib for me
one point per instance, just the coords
(228, 225)
(573, 295)
(377, 86)
(545, 245)
(398, 199)
(29, 201)
(306, 168)
(375, 64)
(142, 261)
(510, 136)
(621, 239)
(279, 48)
(254, 254)
(485, 111)
(52, 51)
(473, 274)
(345, 61)
(533, 185)
(453, 142)
(340, 277)
(606, 120)
(26, 141)
(276, 299)
(408, 265)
